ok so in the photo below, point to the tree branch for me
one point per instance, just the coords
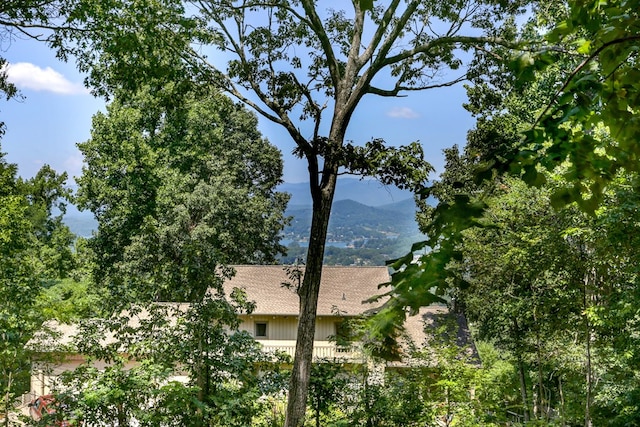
(356, 39)
(579, 68)
(327, 47)
(378, 63)
(399, 88)
(466, 40)
(276, 4)
(391, 38)
(22, 27)
(382, 28)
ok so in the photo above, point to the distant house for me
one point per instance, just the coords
(273, 323)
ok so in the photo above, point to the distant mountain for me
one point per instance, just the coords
(368, 192)
(352, 220)
(81, 224)
(358, 234)
(405, 206)
(362, 208)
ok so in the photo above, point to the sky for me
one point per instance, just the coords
(56, 110)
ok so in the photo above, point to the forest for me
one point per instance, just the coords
(532, 239)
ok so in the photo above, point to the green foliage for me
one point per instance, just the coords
(297, 61)
(443, 384)
(34, 250)
(574, 150)
(18, 286)
(325, 387)
(68, 300)
(599, 95)
(403, 166)
(170, 364)
(179, 186)
(547, 286)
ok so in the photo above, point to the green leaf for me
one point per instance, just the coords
(584, 46)
(366, 4)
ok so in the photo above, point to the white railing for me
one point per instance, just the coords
(321, 349)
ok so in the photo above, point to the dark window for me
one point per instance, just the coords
(261, 329)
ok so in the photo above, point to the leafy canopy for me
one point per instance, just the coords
(180, 186)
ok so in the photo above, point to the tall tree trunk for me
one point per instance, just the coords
(523, 389)
(521, 374)
(7, 405)
(588, 379)
(540, 398)
(203, 376)
(308, 293)
(563, 416)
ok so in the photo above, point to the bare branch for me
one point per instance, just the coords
(354, 64)
(391, 38)
(382, 28)
(315, 23)
(239, 50)
(378, 63)
(457, 40)
(23, 27)
(399, 88)
(275, 4)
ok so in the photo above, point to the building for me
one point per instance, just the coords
(273, 323)
(344, 292)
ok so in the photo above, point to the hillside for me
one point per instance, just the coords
(359, 233)
(351, 220)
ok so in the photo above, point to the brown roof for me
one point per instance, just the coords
(415, 325)
(342, 289)
(422, 328)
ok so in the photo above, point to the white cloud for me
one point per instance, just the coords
(402, 113)
(29, 76)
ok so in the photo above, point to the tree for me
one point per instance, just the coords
(600, 92)
(525, 291)
(589, 272)
(325, 386)
(199, 342)
(180, 187)
(18, 285)
(290, 60)
(47, 194)
(25, 228)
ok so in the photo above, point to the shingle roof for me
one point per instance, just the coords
(342, 288)
(421, 327)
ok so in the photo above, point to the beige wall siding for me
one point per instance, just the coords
(278, 327)
(326, 327)
(285, 327)
(44, 375)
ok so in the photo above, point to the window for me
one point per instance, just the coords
(261, 329)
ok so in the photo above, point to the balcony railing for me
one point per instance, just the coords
(321, 349)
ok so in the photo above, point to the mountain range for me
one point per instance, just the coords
(351, 220)
(368, 192)
(362, 209)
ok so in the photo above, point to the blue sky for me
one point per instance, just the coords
(56, 112)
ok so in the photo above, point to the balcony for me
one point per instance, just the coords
(321, 350)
